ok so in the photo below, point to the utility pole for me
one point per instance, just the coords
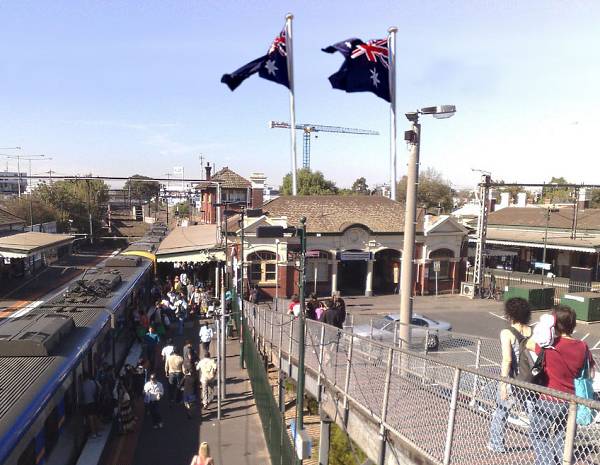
(301, 325)
(575, 214)
(241, 291)
(482, 222)
(545, 243)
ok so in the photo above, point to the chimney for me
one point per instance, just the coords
(583, 201)
(258, 186)
(522, 199)
(207, 169)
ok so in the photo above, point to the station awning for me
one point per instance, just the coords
(191, 244)
(536, 239)
(26, 244)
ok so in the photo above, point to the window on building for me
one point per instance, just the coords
(319, 261)
(443, 256)
(262, 267)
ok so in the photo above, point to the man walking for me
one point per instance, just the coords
(174, 372)
(206, 335)
(207, 367)
(153, 392)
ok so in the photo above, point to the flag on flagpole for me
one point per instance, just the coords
(272, 66)
(365, 67)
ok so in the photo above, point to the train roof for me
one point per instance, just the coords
(29, 380)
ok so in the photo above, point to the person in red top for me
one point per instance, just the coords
(562, 364)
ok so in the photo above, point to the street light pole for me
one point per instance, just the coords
(413, 137)
(408, 249)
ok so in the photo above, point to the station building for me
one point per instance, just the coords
(354, 247)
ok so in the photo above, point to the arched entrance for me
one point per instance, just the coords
(386, 272)
(352, 273)
(446, 275)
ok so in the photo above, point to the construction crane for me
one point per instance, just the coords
(308, 129)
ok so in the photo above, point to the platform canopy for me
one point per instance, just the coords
(191, 244)
(26, 244)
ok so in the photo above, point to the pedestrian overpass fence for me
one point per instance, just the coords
(444, 410)
(274, 427)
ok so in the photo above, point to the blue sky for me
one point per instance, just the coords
(123, 87)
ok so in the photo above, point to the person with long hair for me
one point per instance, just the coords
(517, 312)
(563, 362)
(203, 457)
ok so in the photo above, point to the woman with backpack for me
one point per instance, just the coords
(563, 362)
(517, 312)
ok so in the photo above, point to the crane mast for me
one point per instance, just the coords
(308, 129)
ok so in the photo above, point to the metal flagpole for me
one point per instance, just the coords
(392, 64)
(290, 68)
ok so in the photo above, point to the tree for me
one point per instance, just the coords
(513, 191)
(75, 200)
(595, 198)
(141, 188)
(360, 186)
(309, 183)
(33, 211)
(556, 194)
(433, 191)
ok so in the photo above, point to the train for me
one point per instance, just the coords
(44, 353)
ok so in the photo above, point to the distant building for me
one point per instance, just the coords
(354, 246)
(236, 191)
(9, 182)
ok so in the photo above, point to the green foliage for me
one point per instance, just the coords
(595, 198)
(309, 183)
(75, 199)
(26, 207)
(340, 452)
(141, 189)
(183, 208)
(433, 191)
(512, 191)
(360, 186)
(556, 194)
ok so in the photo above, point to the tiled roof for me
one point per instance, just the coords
(335, 213)
(230, 179)
(7, 218)
(533, 217)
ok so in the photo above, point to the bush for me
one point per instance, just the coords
(340, 452)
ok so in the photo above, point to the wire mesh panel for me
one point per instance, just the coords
(454, 409)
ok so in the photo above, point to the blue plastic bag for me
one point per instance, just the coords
(584, 388)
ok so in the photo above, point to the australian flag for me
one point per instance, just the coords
(365, 67)
(272, 66)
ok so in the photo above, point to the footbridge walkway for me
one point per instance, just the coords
(406, 407)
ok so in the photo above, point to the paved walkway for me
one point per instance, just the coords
(236, 439)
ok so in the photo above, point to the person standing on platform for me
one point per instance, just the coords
(174, 372)
(151, 339)
(203, 457)
(90, 390)
(207, 368)
(338, 303)
(189, 384)
(153, 392)
(206, 335)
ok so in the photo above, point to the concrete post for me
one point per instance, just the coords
(369, 284)
(334, 275)
(324, 434)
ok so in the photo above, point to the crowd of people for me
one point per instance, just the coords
(331, 311)
(549, 356)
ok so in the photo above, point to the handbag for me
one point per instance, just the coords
(584, 388)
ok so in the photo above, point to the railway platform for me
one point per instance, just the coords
(235, 439)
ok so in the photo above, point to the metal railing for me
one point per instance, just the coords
(562, 286)
(448, 411)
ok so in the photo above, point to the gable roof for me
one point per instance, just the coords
(335, 213)
(230, 179)
(534, 217)
(7, 218)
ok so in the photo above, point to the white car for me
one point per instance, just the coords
(383, 330)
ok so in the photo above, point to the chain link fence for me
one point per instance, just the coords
(274, 427)
(451, 412)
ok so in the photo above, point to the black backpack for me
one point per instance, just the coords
(528, 370)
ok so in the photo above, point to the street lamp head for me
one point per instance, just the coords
(440, 111)
(412, 116)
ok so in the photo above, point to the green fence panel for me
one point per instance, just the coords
(278, 441)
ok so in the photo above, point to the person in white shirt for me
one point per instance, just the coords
(153, 392)
(206, 335)
(207, 369)
(167, 349)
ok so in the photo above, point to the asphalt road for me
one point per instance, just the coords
(470, 316)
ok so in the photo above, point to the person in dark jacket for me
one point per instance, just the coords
(189, 384)
(311, 307)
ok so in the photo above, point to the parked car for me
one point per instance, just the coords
(422, 326)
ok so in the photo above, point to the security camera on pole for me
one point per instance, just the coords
(413, 137)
